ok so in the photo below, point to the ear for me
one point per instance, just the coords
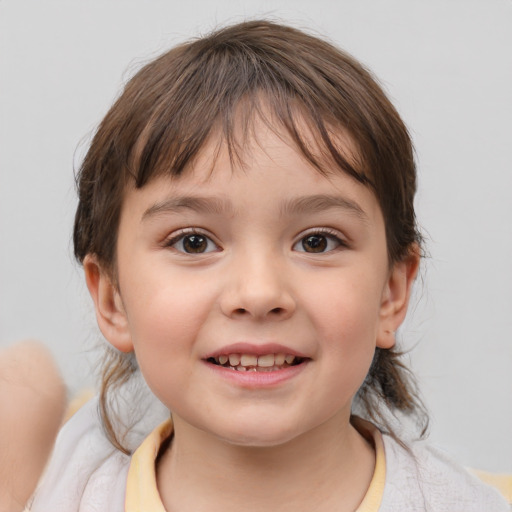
(395, 297)
(110, 313)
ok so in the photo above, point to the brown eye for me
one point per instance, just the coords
(314, 243)
(317, 243)
(193, 243)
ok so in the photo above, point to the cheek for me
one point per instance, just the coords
(164, 322)
(164, 306)
(347, 319)
(166, 313)
(348, 313)
(164, 332)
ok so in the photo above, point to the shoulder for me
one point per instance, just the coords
(422, 478)
(85, 472)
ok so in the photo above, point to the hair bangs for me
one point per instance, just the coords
(176, 133)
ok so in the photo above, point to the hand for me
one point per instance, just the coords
(32, 403)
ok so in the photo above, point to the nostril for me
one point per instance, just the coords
(240, 311)
(277, 311)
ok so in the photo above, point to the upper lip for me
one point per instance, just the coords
(256, 349)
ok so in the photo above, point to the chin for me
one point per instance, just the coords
(260, 435)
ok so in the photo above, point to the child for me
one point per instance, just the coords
(247, 231)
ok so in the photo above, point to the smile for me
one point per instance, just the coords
(254, 363)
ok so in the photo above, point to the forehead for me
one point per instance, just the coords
(263, 145)
(270, 170)
(325, 143)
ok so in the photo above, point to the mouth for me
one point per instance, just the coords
(254, 363)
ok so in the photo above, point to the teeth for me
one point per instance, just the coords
(249, 360)
(266, 361)
(234, 359)
(279, 359)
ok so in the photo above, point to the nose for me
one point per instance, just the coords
(258, 287)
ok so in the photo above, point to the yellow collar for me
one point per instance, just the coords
(142, 493)
(141, 490)
(373, 497)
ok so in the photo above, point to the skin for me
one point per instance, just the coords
(32, 403)
(290, 445)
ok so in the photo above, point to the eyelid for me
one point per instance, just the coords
(176, 236)
(328, 232)
(335, 233)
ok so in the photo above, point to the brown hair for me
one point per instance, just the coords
(216, 85)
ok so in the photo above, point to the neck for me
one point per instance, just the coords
(329, 468)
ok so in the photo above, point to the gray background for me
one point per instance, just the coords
(447, 66)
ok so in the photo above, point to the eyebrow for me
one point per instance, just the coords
(217, 206)
(321, 202)
(208, 205)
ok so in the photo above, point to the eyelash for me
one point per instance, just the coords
(181, 236)
(328, 234)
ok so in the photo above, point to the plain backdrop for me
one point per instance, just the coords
(446, 64)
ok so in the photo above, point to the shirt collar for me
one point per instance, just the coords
(142, 492)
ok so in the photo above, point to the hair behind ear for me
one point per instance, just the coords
(117, 369)
(390, 383)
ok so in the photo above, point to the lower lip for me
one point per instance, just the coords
(253, 380)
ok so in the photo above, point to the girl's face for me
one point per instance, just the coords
(253, 298)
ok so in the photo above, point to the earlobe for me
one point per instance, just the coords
(110, 313)
(395, 298)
